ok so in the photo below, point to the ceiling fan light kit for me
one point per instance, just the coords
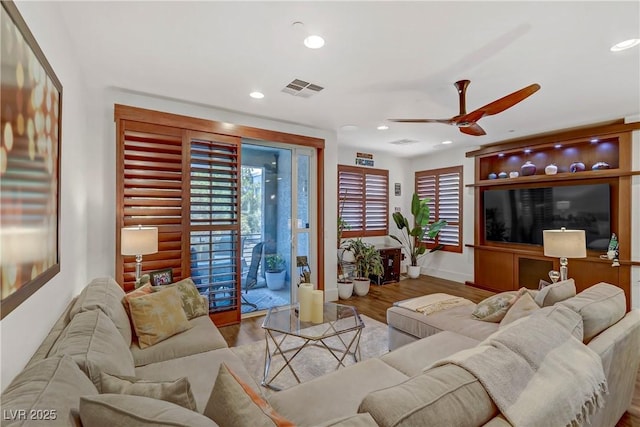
(467, 122)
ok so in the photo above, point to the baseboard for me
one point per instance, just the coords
(331, 294)
(445, 274)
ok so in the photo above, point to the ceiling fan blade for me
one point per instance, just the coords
(473, 129)
(508, 101)
(444, 121)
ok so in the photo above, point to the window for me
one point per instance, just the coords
(363, 203)
(444, 188)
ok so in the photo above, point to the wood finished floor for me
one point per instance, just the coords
(375, 305)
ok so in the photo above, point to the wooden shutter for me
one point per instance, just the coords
(150, 193)
(214, 222)
(364, 200)
(444, 189)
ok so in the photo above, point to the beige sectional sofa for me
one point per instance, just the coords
(398, 389)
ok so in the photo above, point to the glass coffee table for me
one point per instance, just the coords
(282, 322)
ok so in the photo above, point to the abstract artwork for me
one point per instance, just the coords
(30, 120)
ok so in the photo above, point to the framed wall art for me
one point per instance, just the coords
(30, 120)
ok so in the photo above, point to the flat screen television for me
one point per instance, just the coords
(519, 215)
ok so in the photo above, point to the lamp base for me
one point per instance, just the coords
(564, 270)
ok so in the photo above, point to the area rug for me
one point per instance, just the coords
(264, 299)
(313, 361)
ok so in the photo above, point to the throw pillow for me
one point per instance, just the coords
(522, 307)
(141, 291)
(157, 316)
(177, 391)
(494, 308)
(191, 302)
(108, 410)
(235, 404)
(560, 291)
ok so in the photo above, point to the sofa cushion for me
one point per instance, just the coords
(108, 410)
(444, 396)
(524, 306)
(157, 316)
(105, 294)
(235, 404)
(177, 391)
(564, 318)
(358, 420)
(411, 359)
(457, 319)
(494, 308)
(600, 306)
(94, 343)
(202, 336)
(192, 302)
(336, 394)
(53, 386)
(200, 369)
(560, 291)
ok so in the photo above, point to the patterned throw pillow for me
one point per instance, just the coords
(192, 303)
(233, 403)
(142, 290)
(158, 316)
(178, 391)
(494, 308)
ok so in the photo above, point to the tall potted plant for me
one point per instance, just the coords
(368, 262)
(275, 272)
(412, 237)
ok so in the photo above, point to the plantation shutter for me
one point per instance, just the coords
(150, 193)
(363, 195)
(214, 221)
(444, 189)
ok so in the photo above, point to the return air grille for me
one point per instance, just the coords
(404, 141)
(301, 88)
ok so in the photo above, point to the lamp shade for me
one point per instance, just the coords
(564, 243)
(138, 240)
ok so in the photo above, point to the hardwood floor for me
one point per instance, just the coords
(375, 305)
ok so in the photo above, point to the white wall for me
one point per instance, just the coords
(449, 265)
(24, 328)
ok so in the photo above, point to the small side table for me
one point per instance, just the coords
(282, 322)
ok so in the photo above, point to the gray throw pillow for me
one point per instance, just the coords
(174, 391)
(560, 291)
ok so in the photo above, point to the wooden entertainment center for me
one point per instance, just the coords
(503, 266)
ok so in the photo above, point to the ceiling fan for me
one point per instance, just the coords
(466, 122)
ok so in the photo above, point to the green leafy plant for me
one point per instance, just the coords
(412, 237)
(367, 258)
(275, 263)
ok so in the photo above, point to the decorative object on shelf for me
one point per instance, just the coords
(554, 275)
(600, 165)
(564, 244)
(412, 237)
(577, 167)
(514, 174)
(551, 169)
(528, 169)
(493, 175)
(503, 175)
(138, 241)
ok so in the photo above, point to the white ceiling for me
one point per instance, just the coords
(381, 60)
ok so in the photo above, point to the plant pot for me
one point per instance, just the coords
(345, 289)
(275, 280)
(413, 271)
(361, 286)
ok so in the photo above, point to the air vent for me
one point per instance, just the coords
(301, 88)
(404, 141)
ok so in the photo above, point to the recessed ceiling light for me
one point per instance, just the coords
(383, 127)
(627, 44)
(349, 128)
(257, 95)
(314, 42)
(447, 142)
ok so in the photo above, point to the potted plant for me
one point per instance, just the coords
(345, 284)
(275, 272)
(368, 262)
(412, 237)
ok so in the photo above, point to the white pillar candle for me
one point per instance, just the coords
(304, 298)
(317, 306)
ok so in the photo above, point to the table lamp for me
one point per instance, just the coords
(138, 241)
(564, 244)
